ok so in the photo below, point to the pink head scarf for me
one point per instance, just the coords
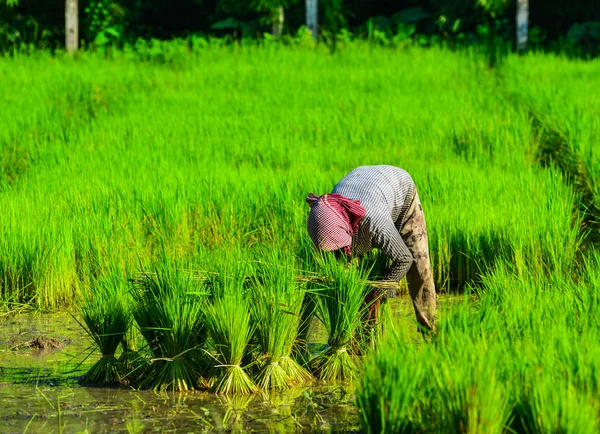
(332, 221)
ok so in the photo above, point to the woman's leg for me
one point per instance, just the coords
(419, 277)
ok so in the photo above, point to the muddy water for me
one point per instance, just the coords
(42, 355)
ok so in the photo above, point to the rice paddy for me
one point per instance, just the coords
(162, 200)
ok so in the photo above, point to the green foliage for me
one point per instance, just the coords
(385, 409)
(276, 310)
(229, 322)
(106, 318)
(169, 312)
(584, 37)
(105, 19)
(117, 157)
(25, 26)
(494, 7)
(82, 147)
(519, 356)
(339, 306)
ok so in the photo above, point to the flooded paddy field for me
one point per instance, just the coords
(42, 355)
(70, 409)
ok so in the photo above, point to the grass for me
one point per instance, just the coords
(521, 358)
(340, 306)
(229, 322)
(169, 312)
(107, 318)
(277, 301)
(209, 154)
(136, 161)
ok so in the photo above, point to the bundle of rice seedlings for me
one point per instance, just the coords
(375, 326)
(170, 316)
(300, 350)
(106, 319)
(132, 361)
(339, 306)
(229, 324)
(276, 310)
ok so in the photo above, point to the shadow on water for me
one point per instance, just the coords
(39, 390)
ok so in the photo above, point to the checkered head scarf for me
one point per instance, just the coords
(332, 221)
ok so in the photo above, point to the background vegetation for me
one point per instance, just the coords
(112, 162)
(203, 152)
(556, 25)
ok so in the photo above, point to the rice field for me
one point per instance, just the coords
(172, 186)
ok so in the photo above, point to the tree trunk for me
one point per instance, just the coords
(522, 24)
(277, 26)
(71, 25)
(312, 17)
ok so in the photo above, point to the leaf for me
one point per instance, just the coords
(578, 31)
(494, 7)
(410, 15)
(380, 22)
(456, 25)
(101, 39)
(227, 23)
(112, 31)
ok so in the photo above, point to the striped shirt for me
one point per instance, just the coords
(386, 193)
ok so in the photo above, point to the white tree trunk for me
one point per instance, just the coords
(312, 17)
(71, 25)
(522, 24)
(277, 26)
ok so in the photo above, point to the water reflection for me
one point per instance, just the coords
(78, 409)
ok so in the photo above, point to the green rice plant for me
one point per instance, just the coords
(99, 169)
(551, 405)
(470, 397)
(169, 312)
(307, 262)
(457, 383)
(122, 160)
(229, 323)
(391, 389)
(133, 361)
(339, 306)
(277, 301)
(377, 329)
(21, 270)
(106, 318)
(300, 349)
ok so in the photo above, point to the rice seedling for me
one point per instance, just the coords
(339, 306)
(472, 165)
(469, 396)
(169, 312)
(106, 318)
(390, 389)
(122, 160)
(552, 405)
(277, 301)
(300, 350)
(456, 384)
(133, 360)
(229, 323)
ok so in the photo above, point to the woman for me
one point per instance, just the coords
(378, 207)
